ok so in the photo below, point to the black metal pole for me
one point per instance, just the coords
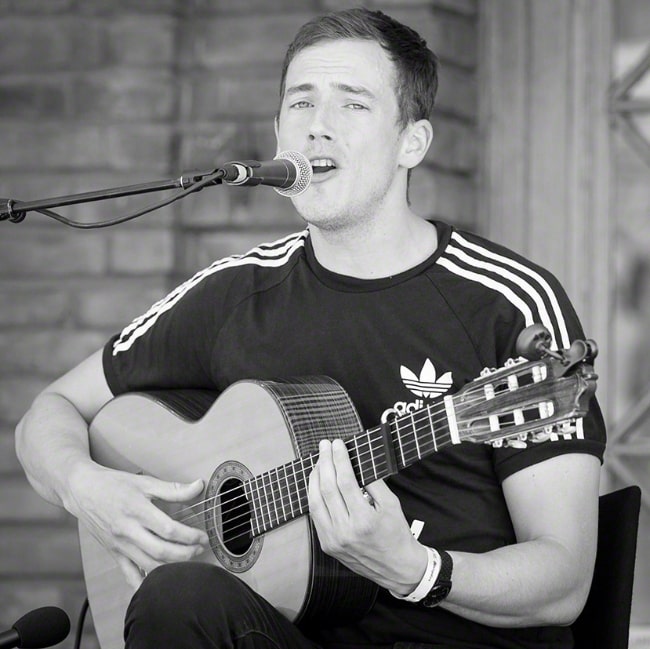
(15, 210)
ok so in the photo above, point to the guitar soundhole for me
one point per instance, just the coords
(235, 517)
(227, 517)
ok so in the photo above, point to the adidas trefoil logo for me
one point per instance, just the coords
(427, 384)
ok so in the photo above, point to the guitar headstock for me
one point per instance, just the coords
(528, 399)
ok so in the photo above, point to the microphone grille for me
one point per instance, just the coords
(303, 173)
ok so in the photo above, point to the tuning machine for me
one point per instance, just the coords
(534, 343)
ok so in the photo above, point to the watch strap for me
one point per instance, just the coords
(428, 579)
(442, 587)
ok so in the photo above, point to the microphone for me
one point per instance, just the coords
(42, 627)
(289, 173)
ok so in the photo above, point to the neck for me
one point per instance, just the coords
(374, 249)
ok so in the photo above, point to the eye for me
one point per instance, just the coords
(303, 103)
(356, 106)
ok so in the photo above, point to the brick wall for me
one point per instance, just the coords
(104, 93)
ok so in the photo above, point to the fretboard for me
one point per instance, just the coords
(280, 495)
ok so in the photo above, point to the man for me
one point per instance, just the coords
(393, 307)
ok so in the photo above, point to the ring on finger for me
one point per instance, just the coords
(368, 497)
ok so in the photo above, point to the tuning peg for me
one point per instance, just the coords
(534, 342)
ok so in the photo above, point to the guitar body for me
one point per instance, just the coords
(253, 427)
(256, 445)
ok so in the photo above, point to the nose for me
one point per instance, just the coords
(321, 126)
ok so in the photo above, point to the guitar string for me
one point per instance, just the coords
(249, 528)
(247, 525)
(426, 413)
(423, 414)
(260, 494)
(365, 435)
(278, 504)
(264, 528)
(286, 503)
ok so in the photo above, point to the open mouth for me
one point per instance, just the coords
(322, 165)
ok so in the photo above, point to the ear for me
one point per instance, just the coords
(417, 138)
(276, 128)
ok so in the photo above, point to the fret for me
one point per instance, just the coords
(258, 507)
(268, 519)
(425, 434)
(372, 460)
(288, 487)
(248, 493)
(355, 459)
(280, 492)
(399, 443)
(411, 431)
(362, 458)
(433, 430)
(402, 440)
(295, 482)
(302, 484)
(366, 459)
(274, 498)
(415, 436)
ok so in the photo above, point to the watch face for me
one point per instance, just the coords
(436, 594)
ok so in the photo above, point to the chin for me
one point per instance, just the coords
(330, 212)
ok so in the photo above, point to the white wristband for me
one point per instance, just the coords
(428, 579)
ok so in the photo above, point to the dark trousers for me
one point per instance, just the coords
(200, 606)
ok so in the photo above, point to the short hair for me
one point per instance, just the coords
(416, 65)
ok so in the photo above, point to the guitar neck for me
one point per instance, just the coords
(281, 494)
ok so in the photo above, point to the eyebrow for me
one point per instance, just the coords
(344, 87)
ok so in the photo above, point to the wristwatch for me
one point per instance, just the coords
(442, 585)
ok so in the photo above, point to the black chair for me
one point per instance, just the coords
(605, 620)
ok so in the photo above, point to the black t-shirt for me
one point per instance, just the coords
(394, 344)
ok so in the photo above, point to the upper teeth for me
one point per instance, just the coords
(322, 162)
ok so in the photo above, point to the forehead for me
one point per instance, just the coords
(352, 61)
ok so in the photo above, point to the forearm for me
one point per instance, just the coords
(51, 444)
(535, 583)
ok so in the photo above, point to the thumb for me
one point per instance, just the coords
(175, 492)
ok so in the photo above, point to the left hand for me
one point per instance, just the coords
(370, 536)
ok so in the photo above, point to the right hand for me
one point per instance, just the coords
(117, 509)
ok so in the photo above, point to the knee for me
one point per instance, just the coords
(175, 597)
(178, 587)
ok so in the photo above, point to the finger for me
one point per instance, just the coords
(169, 529)
(163, 524)
(317, 507)
(145, 553)
(131, 572)
(380, 493)
(348, 485)
(174, 492)
(157, 548)
(328, 482)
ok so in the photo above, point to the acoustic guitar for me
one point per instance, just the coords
(255, 446)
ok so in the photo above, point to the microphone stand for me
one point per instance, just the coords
(16, 211)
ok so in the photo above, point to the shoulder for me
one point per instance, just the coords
(206, 297)
(266, 260)
(526, 287)
(231, 279)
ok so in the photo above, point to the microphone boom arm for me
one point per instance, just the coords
(15, 211)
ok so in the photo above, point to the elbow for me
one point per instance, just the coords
(574, 606)
(565, 610)
(19, 440)
(21, 433)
